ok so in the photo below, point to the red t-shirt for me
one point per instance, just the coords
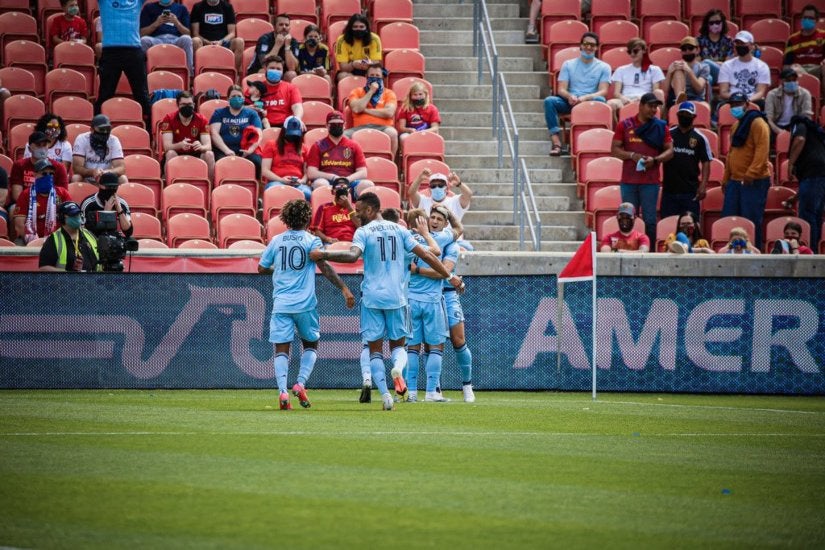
(69, 29)
(626, 133)
(196, 127)
(420, 118)
(334, 222)
(632, 241)
(342, 159)
(291, 163)
(61, 194)
(22, 173)
(278, 101)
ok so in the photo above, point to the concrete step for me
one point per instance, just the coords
(458, 24)
(463, 162)
(474, 91)
(467, 78)
(429, 47)
(505, 64)
(546, 246)
(481, 233)
(487, 189)
(493, 217)
(491, 147)
(424, 11)
(480, 105)
(505, 176)
(463, 37)
(505, 204)
(485, 118)
(469, 133)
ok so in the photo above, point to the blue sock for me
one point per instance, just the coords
(399, 358)
(379, 377)
(434, 370)
(281, 370)
(464, 358)
(412, 369)
(366, 375)
(307, 364)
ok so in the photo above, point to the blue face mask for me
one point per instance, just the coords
(74, 222)
(808, 24)
(588, 55)
(165, 3)
(790, 87)
(274, 75)
(236, 102)
(377, 79)
(737, 112)
(44, 184)
(438, 193)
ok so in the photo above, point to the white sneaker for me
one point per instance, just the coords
(412, 397)
(469, 396)
(435, 397)
(388, 403)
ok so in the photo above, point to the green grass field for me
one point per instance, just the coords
(224, 469)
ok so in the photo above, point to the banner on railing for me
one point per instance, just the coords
(210, 331)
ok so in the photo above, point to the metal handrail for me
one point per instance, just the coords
(504, 127)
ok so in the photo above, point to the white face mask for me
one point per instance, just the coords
(40, 154)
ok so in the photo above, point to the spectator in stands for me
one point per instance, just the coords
(313, 55)
(278, 42)
(23, 171)
(739, 243)
(532, 34)
(744, 73)
(637, 78)
(791, 241)
(284, 160)
(687, 78)
(439, 194)
(121, 52)
(59, 147)
(4, 95)
(582, 79)
(687, 237)
(626, 239)
(167, 22)
(71, 27)
(643, 142)
(96, 152)
(786, 101)
(374, 106)
(747, 171)
(236, 130)
(107, 199)
(186, 132)
(35, 214)
(682, 188)
(57, 254)
(213, 23)
(337, 156)
(805, 49)
(715, 46)
(417, 113)
(357, 48)
(806, 162)
(281, 99)
(335, 220)
(4, 194)
(255, 92)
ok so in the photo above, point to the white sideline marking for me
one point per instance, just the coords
(722, 407)
(408, 433)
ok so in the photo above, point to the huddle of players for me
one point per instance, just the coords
(404, 294)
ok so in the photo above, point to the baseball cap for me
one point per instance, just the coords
(438, 177)
(627, 208)
(689, 40)
(292, 127)
(109, 179)
(69, 209)
(650, 97)
(788, 73)
(336, 117)
(687, 107)
(101, 121)
(43, 164)
(341, 180)
(738, 97)
(38, 137)
(744, 36)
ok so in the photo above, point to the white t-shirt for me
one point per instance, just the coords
(635, 82)
(426, 202)
(83, 148)
(744, 77)
(61, 151)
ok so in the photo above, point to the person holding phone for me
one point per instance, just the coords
(166, 22)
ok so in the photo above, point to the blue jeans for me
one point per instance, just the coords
(673, 204)
(747, 201)
(811, 206)
(646, 197)
(714, 70)
(305, 189)
(555, 106)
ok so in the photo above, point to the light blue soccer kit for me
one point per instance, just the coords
(455, 315)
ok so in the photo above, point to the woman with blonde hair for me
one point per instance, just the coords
(739, 243)
(417, 113)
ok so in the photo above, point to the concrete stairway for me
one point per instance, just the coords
(466, 113)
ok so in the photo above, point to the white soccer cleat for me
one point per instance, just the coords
(435, 397)
(469, 396)
(412, 396)
(388, 402)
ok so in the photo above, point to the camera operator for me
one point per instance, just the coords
(336, 221)
(71, 247)
(107, 199)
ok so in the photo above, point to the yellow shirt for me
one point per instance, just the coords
(344, 53)
(750, 162)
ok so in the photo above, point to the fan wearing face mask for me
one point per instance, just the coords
(337, 156)
(71, 247)
(417, 113)
(805, 49)
(23, 173)
(59, 147)
(626, 239)
(373, 107)
(685, 176)
(744, 73)
(281, 99)
(313, 55)
(786, 101)
(107, 199)
(445, 190)
(35, 214)
(284, 159)
(687, 78)
(186, 132)
(357, 48)
(96, 152)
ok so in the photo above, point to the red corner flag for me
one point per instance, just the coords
(580, 267)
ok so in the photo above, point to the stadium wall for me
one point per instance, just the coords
(688, 324)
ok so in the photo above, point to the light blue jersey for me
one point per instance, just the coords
(426, 289)
(293, 279)
(120, 22)
(450, 253)
(384, 246)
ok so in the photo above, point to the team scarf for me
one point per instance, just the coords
(31, 217)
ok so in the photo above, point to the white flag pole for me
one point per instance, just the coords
(593, 359)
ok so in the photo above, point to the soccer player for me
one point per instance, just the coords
(384, 246)
(288, 258)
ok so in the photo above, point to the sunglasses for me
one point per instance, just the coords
(432, 185)
(589, 45)
(687, 48)
(716, 22)
(635, 51)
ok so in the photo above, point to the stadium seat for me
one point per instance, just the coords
(720, 230)
(773, 203)
(563, 34)
(602, 11)
(271, 134)
(750, 11)
(252, 9)
(302, 9)
(276, 197)
(600, 172)
(122, 110)
(664, 227)
(166, 80)
(74, 130)
(611, 225)
(246, 244)
(666, 34)
(139, 197)
(168, 58)
(343, 268)
(316, 134)
(615, 34)
(18, 139)
(238, 171)
(275, 227)
(713, 139)
(315, 114)
(384, 173)
(15, 25)
(345, 86)
(605, 203)
(197, 244)
(616, 57)
(79, 190)
(20, 108)
(399, 36)
(178, 198)
(313, 88)
(187, 226)
(711, 208)
(773, 57)
(403, 63)
(238, 227)
(717, 173)
(36, 243)
(208, 107)
(31, 56)
(421, 145)
(385, 12)
(145, 226)
(73, 110)
(695, 11)
(298, 26)
(663, 57)
(782, 144)
(702, 119)
(587, 115)
(774, 231)
(435, 167)
(557, 60)
(246, 59)
(45, 9)
(216, 59)
(333, 32)
(320, 197)
(249, 30)
(191, 170)
(63, 82)
(134, 139)
(771, 32)
(257, 77)
(211, 80)
(22, 6)
(650, 12)
(338, 10)
(374, 143)
(145, 170)
(231, 199)
(151, 244)
(591, 144)
(812, 84)
(5, 163)
(18, 81)
(558, 10)
(389, 198)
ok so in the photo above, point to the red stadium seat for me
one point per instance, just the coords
(399, 36)
(313, 88)
(197, 244)
(616, 57)
(751, 11)
(338, 10)
(187, 226)
(303, 9)
(602, 11)
(139, 197)
(207, 81)
(384, 12)
(166, 80)
(774, 58)
(208, 107)
(403, 63)
(216, 59)
(587, 115)
(19, 138)
(122, 110)
(374, 143)
(238, 171)
(654, 11)
(320, 197)
(333, 32)
(5, 163)
(73, 109)
(191, 170)
(63, 82)
(616, 34)
(78, 57)
(18, 81)
(775, 230)
(606, 202)
(79, 190)
(389, 198)
(557, 61)
(421, 145)
(31, 56)
(770, 32)
(346, 86)
(149, 243)
(717, 172)
(275, 227)
(711, 208)
(15, 25)
(773, 202)
(720, 230)
(249, 30)
(297, 28)
(812, 84)
(315, 114)
(231, 199)
(238, 227)
(562, 34)
(591, 144)
(246, 244)
(663, 57)
(276, 197)
(182, 198)
(558, 10)
(384, 173)
(316, 134)
(169, 58)
(247, 9)
(74, 130)
(134, 139)
(597, 174)
(664, 227)
(20, 108)
(145, 170)
(666, 34)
